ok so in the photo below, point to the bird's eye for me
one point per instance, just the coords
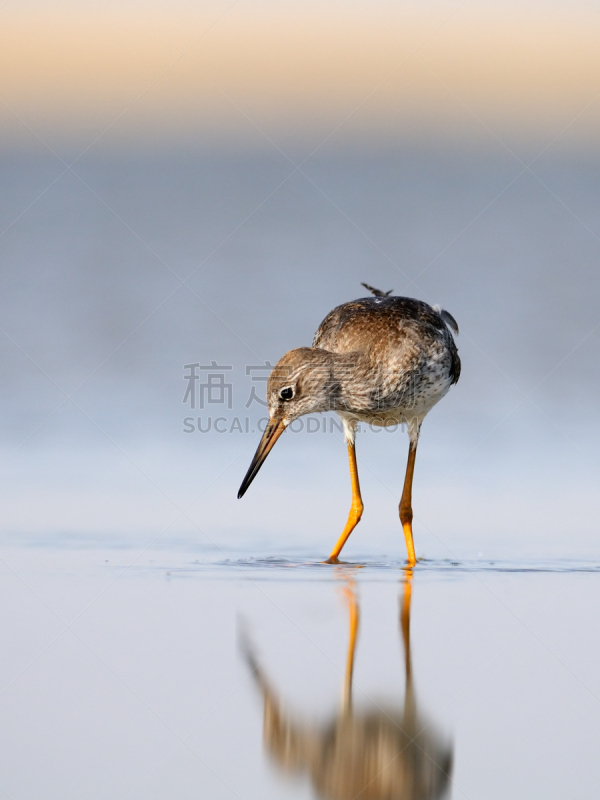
(287, 393)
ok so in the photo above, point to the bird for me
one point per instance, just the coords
(383, 360)
(375, 753)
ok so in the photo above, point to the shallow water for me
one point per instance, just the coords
(131, 672)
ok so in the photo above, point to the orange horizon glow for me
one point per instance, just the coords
(300, 72)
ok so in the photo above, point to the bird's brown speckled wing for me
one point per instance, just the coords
(381, 322)
(367, 314)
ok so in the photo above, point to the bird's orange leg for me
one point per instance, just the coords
(356, 508)
(406, 512)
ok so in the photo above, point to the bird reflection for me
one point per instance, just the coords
(389, 752)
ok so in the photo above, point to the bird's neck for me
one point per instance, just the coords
(349, 371)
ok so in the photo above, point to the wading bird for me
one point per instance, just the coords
(381, 360)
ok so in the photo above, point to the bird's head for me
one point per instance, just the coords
(301, 383)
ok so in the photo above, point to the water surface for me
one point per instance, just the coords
(149, 672)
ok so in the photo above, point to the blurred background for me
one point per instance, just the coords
(193, 183)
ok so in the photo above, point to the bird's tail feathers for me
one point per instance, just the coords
(447, 317)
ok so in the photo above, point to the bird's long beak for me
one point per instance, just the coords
(272, 432)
